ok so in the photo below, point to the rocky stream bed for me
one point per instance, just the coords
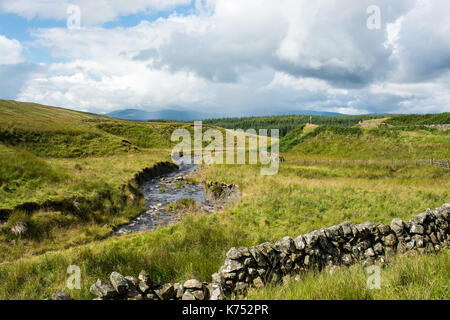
(167, 189)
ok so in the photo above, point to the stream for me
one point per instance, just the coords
(163, 191)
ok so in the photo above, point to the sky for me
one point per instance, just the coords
(228, 57)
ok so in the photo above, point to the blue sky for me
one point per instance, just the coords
(228, 57)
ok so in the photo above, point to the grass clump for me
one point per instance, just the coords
(196, 249)
(183, 205)
(419, 277)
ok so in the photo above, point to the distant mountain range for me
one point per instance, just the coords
(167, 114)
(186, 115)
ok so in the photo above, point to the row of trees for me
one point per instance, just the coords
(287, 123)
(420, 119)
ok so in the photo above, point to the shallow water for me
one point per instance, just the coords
(162, 191)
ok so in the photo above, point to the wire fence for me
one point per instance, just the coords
(440, 163)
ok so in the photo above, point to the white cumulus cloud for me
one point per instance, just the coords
(10, 51)
(92, 12)
(256, 56)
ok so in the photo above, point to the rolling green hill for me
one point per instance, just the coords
(59, 133)
(48, 153)
(56, 156)
(372, 143)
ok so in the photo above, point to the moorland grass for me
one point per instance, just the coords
(376, 143)
(420, 277)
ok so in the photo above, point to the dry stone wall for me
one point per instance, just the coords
(343, 244)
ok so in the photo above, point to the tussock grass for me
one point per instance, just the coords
(419, 277)
(383, 143)
(192, 249)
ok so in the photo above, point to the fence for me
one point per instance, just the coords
(440, 163)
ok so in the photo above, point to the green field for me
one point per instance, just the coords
(305, 195)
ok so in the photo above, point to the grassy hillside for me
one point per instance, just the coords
(54, 155)
(296, 136)
(50, 153)
(374, 143)
(59, 133)
(419, 119)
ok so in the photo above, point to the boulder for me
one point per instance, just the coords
(416, 229)
(166, 292)
(179, 290)
(119, 283)
(369, 253)
(143, 287)
(60, 295)
(198, 294)
(346, 229)
(378, 248)
(299, 243)
(145, 277)
(384, 229)
(258, 256)
(217, 278)
(232, 265)
(241, 288)
(347, 259)
(133, 294)
(155, 284)
(215, 292)
(421, 218)
(188, 296)
(390, 240)
(397, 225)
(193, 285)
(151, 296)
(258, 282)
(286, 245)
(234, 254)
(103, 290)
(132, 281)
